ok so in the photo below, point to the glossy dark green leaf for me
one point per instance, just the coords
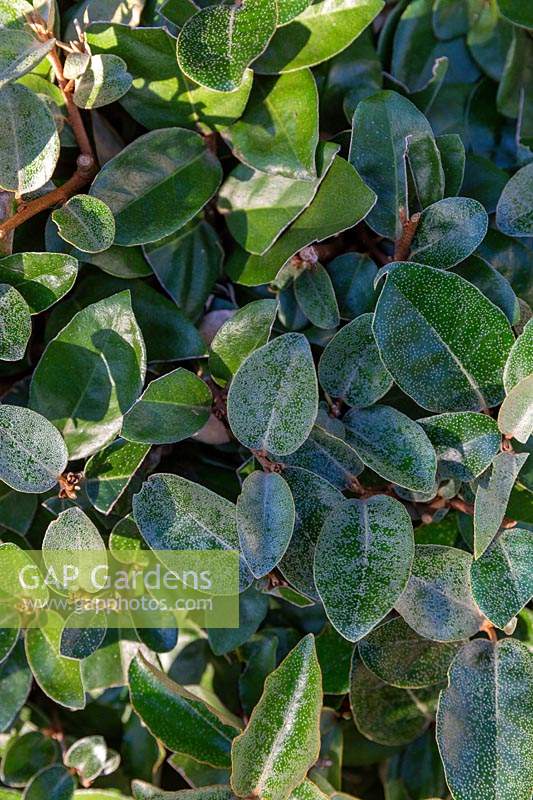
(516, 12)
(157, 184)
(334, 654)
(449, 231)
(105, 80)
(450, 19)
(178, 718)
(171, 408)
(362, 563)
(453, 343)
(216, 45)
(452, 155)
(52, 783)
(352, 275)
(32, 453)
(273, 398)
(17, 509)
(265, 520)
(394, 446)
(20, 53)
(15, 684)
(86, 222)
(438, 602)
(417, 771)
(41, 278)
(316, 297)
(245, 331)
(25, 755)
(281, 741)
(492, 496)
(465, 443)
(426, 169)
(259, 654)
(399, 656)
(15, 323)
(484, 181)
(492, 284)
(90, 374)
(253, 607)
(488, 704)
(109, 471)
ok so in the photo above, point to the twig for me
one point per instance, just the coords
(409, 226)
(488, 628)
(6, 210)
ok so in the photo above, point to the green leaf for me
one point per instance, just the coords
(278, 132)
(143, 791)
(362, 563)
(281, 741)
(161, 95)
(248, 329)
(81, 642)
(453, 158)
(109, 471)
(385, 714)
(175, 514)
(492, 284)
(17, 510)
(29, 143)
(87, 756)
(520, 362)
(178, 718)
(15, 684)
(20, 53)
(58, 677)
(341, 201)
(13, 13)
(449, 231)
(316, 297)
(394, 446)
(334, 654)
(426, 168)
(502, 579)
(352, 275)
(492, 496)
(465, 443)
(350, 367)
(157, 184)
(90, 374)
(437, 602)
(74, 532)
(318, 33)
(399, 656)
(187, 264)
(450, 19)
(32, 452)
(26, 755)
(381, 125)
(41, 278)
(253, 607)
(488, 701)
(259, 653)
(172, 408)
(273, 398)
(265, 520)
(442, 341)
(515, 417)
(86, 222)
(516, 12)
(105, 80)
(216, 45)
(15, 324)
(51, 783)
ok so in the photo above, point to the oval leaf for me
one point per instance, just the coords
(86, 222)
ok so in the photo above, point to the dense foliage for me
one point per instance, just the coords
(265, 287)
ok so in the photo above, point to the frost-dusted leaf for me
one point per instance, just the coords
(90, 374)
(104, 81)
(258, 207)
(426, 168)
(278, 132)
(273, 398)
(29, 143)
(352, 275)
(175, 514)
(265, 520)
(13, 13)
(492, 496)
(109, 471)
(20, 53)
(80, 642)
(52, 783)
(334, 654)
(442, 341)
(515, 418)
(86, 222)
(126, 544)
(187, 264)
(282, 740)
(465, 443)
(58, 677)
(449, 231)
(178, 718)
(32, 452)
(399, 656)
(171, 409)
(87, 756)
(350, 367)
(488, 704)
(316, 297)
(15, 684)
(341, 201)
(26, 755)
(452, 154)
(321, 31)
(15, 323)
(438, 602)
(248, 329)
(41, 278)
(157, 183)
(73, 531)
(492, 284)
(517, 12)
(381, 125)
(393, 445)
(386, 714)
(520, 362)
(216, 45)
(502, 579)
(514, 214)
(362, 563)
(75, 65)
(314, 498)
(143, 791)
(161, 95)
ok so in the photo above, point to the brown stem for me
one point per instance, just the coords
(268, 465)
(402, 249)
(6, 211)
(488, 628)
